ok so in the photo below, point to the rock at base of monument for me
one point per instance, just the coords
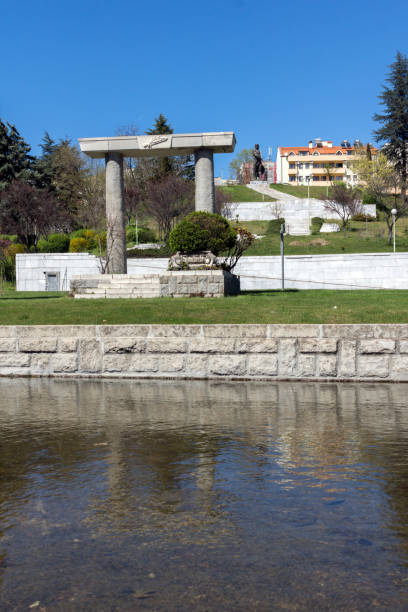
(178, 283)
(205, 260)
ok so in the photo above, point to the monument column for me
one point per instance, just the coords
(115, 214)
(204, 180)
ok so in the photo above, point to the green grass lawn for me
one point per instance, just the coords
(242, 193)
(300, 191)
(319, 306)
(361, 238)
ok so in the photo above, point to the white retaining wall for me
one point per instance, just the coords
(355, 271)
(266, 211)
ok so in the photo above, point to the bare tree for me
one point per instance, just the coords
(31, 213)
(91, 212)
(243, 242)
(344, 202)
(223, 203)
(168, 200)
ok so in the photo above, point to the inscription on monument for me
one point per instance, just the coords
(155, 141)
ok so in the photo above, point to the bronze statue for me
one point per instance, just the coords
(258, 166)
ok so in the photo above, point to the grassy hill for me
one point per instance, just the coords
(242, 193)
(299, 191)
(361, 238)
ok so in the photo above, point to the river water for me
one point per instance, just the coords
(192, 495)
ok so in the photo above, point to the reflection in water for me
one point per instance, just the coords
(163, 495)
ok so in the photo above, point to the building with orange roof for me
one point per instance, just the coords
(320, 163)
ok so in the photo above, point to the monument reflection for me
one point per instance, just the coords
(203, 493)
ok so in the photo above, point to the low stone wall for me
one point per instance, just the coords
(277, 352)
(180, 283)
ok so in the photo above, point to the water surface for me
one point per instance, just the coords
(163, 495)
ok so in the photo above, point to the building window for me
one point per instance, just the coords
(339, 165)
(316, 178)
(292, 179)
(300, 165)
(292, 166)
(307, 166)
(339, 178)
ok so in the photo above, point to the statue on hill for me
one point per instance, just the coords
(258, 166)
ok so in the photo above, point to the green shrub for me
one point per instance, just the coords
(369, 199)
(59, 243)
(362, 217)
(145, 234)
(202, 231)
(79, 233)
(10, 237)
(77, 245)
(274, 226)
(164, 251)
(316, 224)
(43, 246)
(56, 243)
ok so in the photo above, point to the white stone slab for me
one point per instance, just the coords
(328, 228)
(159, 145)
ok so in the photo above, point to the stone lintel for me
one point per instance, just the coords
(160, 145)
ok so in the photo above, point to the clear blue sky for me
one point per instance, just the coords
(276, 73)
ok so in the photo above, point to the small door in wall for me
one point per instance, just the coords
(52, 281)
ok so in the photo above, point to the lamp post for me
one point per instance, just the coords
(308, 185)
(394, 214)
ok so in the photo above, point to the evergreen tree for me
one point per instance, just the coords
(43, 166)
(182, 165)
(68, 175)
(160, 126)
(394, 120)
(15, 161)
(164, 165)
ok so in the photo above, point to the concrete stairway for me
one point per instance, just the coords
(117, 286)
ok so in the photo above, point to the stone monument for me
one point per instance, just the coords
(114, 149)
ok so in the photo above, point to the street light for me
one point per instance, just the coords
(308, 185)
(394, 214)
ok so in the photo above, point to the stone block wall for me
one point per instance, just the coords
(181, 283)
(272, 352)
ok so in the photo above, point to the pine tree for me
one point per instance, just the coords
(164, 165)
(15, 161)
(43, 166)
(160, 126)
(68, 175)
(394, 120)
(182, 165)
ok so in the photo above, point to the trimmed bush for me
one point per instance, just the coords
(316, 224)
(274, 226)
(202, 231)
(77, 245)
